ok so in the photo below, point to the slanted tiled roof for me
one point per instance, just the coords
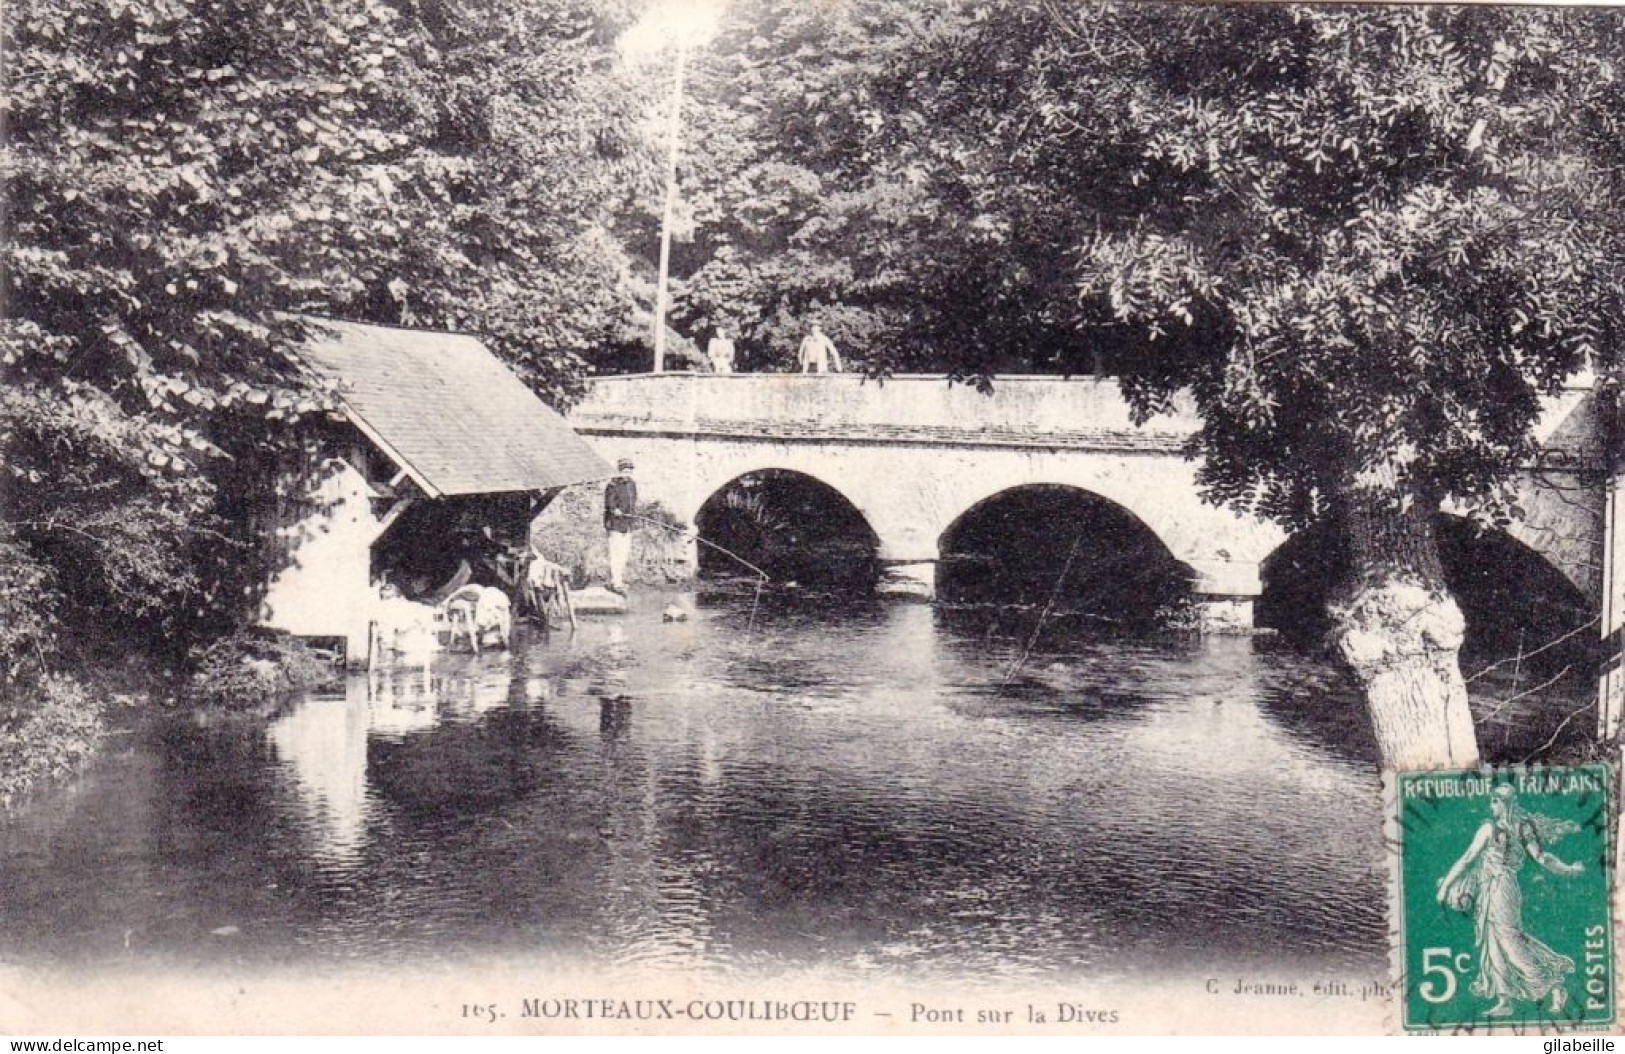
(449, 412)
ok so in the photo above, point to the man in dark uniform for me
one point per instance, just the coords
(620, 503)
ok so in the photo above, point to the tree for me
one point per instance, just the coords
(176, 178)
(1365, 241)
(500, 219)
(798, 207)
(824, 182)
(186, 181)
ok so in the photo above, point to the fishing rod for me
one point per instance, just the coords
(1049, 605)
(725, 552)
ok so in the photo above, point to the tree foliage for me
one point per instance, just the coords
(1363, 240)
(502, 219)
(187, 179)
(798, 212)
(1359, 236)
(834, 175)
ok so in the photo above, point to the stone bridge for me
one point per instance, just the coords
(915, 453)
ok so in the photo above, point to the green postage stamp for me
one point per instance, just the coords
(1503, 886)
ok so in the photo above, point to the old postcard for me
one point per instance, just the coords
(535, 517)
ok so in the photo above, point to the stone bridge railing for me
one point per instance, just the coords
(1022, 411)
(1050, 412)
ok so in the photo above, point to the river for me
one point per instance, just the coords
(772, 785)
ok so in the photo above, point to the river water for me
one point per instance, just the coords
(771, 785)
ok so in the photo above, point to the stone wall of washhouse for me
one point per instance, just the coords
(323, 533)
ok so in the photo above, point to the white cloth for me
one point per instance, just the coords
(545, 576)
(405, 628)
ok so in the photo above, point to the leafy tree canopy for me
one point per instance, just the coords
(1363, 240)
(185, 180)
(1360, 237)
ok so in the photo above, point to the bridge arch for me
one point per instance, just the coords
(1065, 547)
(1531, 649)
(1501, 576)
(1531, 644)
(791, 524)
(1138, 495)
(1562, 522)
(710, 468)
(1222, 548)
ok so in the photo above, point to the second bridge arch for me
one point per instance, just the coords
(1080, 557)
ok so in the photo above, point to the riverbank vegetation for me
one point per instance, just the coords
(186, 182)
(252, 668)
(1366, 240)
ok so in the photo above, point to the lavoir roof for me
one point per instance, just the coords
(448, 412)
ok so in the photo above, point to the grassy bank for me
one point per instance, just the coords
(51, 725)
(48, 729)
(252, 670)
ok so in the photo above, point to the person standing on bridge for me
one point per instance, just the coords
(720, 351)
(620, 508)
(817, 353)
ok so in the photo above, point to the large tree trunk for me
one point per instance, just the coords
(1400, 630)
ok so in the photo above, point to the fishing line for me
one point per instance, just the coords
(765, 577)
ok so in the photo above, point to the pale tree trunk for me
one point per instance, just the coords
(1400, 630)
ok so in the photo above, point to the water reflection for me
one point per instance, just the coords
(321, 749)
(853, 785)
(614, 718)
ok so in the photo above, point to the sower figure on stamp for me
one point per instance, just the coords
(817, 353)
(1512, 964)
(620, 508)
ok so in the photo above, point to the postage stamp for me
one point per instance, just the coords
(1503, 884)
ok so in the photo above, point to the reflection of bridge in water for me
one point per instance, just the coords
(914, 455)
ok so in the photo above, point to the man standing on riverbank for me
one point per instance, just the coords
(817, 353)
(620, 505)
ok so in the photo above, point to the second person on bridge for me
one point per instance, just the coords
(817, 353)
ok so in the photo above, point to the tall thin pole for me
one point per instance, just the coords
(674, 133)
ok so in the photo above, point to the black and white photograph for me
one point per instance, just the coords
(806, 517)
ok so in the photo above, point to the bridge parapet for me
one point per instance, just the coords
(1075, 412)
(1022, 411)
